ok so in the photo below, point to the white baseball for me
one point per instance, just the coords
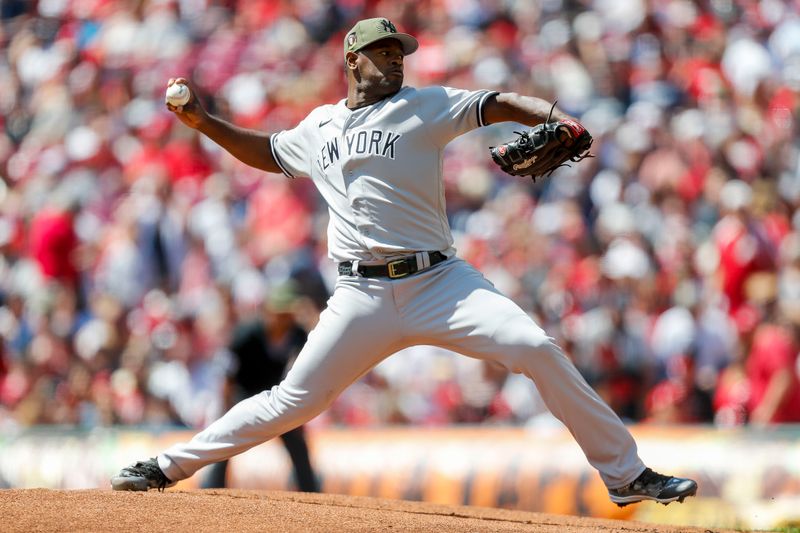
(178, 94)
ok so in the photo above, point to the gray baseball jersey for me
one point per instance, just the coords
(379, 168)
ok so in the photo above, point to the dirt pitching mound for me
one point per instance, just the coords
(244, 511)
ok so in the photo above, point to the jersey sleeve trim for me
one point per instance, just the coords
(276, 157)
(481, 121)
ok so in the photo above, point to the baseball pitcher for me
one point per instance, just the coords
(376, 159)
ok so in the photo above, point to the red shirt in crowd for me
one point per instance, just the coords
(53, 242)
(741, 253)
(773, 351)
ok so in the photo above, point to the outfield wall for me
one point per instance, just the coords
(748, 478)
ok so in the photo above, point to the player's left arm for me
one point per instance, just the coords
(513, 107)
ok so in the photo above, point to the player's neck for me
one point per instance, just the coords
(357, 99)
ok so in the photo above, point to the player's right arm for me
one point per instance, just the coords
(248, 146)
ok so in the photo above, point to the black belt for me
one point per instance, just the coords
(398, 268)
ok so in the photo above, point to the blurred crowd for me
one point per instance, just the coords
(668, 265)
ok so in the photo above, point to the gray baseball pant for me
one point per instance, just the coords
(450, 305)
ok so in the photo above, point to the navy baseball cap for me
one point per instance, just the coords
(368, 31)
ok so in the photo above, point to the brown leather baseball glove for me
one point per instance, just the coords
(541, 150)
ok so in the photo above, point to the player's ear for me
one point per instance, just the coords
(350, 60)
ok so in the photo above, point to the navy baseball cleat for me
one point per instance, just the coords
(142, 475)
(651, 485)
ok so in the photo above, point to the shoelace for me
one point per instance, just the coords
(151, 471)
(650, 476)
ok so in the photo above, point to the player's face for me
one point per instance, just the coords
(381, 66)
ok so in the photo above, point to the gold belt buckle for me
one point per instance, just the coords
(395, 269)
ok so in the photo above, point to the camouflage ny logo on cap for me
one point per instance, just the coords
(368, 31)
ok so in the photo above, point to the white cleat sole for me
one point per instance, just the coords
(129, 483)
(627, 500)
